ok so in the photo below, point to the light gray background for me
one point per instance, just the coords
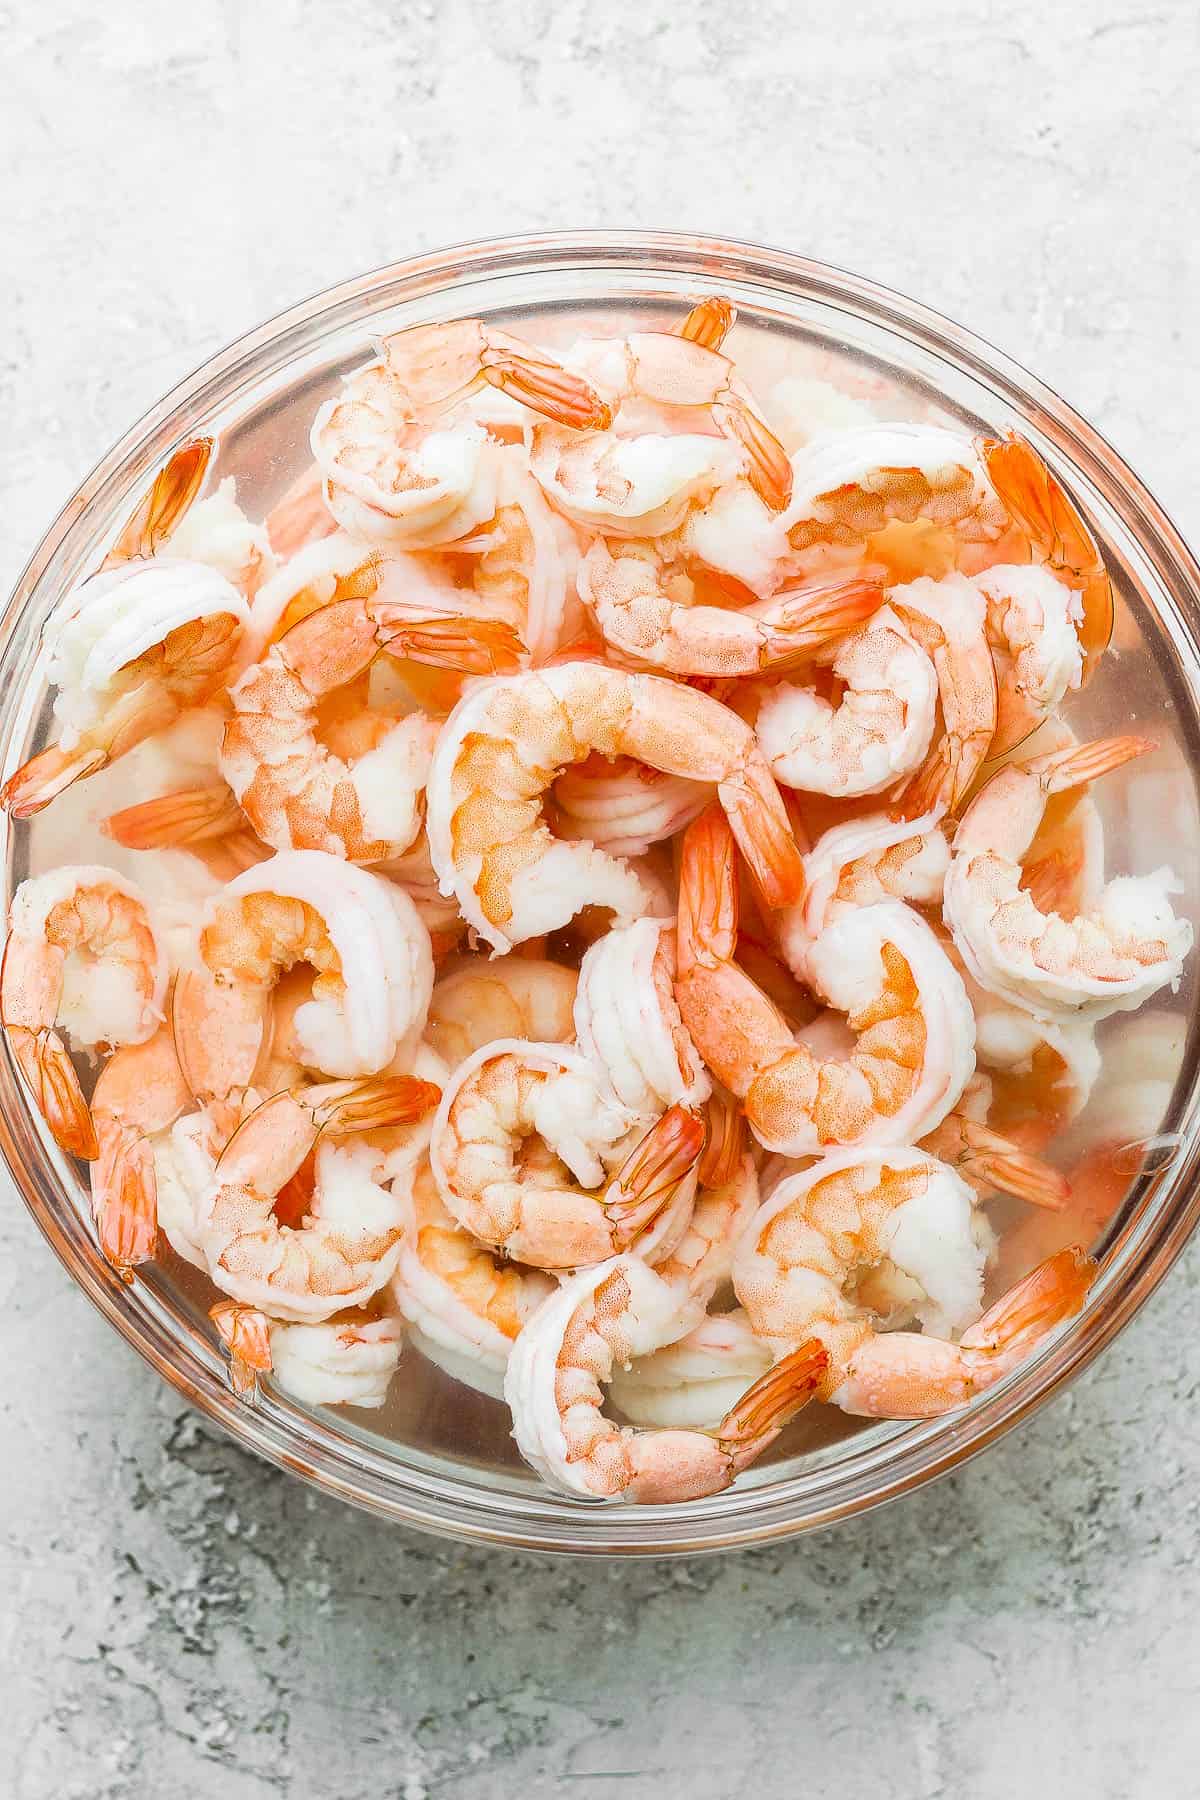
(175, 1619)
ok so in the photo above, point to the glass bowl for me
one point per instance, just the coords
(438, 1457)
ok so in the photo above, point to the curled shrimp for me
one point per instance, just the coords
(638, 482)
(1109, 959)
(1058, 536)
(905, 1004)
(525, 560)
(599, 1321)
(807, 1265)
(134, 645)
(627, 1020)
(477, 1001)
(500, 751)
(622, 806)
(347, 1246)
(348, 1360)
(879, 730)
(649, 611)
(465, 1304)
(849, 485)
(360, 933)
(297, 793)
(82, 953)
(400, 463)
(141, 1092)
(522, 1147)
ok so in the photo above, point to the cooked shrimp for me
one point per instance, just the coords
(360, 933)
(948, 619)
(83, 953)
(132, 646)
(914, 1037)
(141, 1092)
(627, 1020)
(297, 792)
(464, 1303)
(1057, 534)
(1107, 960)
(347, 1247)
(598, 1322)
(478, 1000)
(347, 1361)
(399, 465)
(649, 612)
(804, 1268)
(622, 806)
(656, 377)
(216, 531)
(522, 1147)
(878, 731)
(1033, 624)
(848, 485)
(869, 859)
(500, 751)
(693, 1384)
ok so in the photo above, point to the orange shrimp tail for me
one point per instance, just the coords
(649, 1178)
(378, 1102)
(806, 618)
(43, 1060)
(1058, 535)
(548, 388)
(1013, 1170)
(726, 1140)
(709, 322)
(1066, 769)
(160, 510)
(246, 1334)
(759, 822)
(765, 1408)
(125, 1202)
(189, 816)
(1052, 1293)
(769, 466)
(39, 781)
(451, 640)
(708, 896)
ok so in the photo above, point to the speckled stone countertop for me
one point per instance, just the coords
(176, 1619)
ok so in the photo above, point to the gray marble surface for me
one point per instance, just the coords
(176, 1619)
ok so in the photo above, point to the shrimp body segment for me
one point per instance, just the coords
(1110, 959)
(881, 965)
(597, 1322)
(879, 730)
(831, 1250)
(479, 1000)
(348, 1360)
(847, 485)
(360, 933)
(464, 1303)
(1033, 624)
(861, 863)
(650, 617)
(507, 740)
(627, 1020)
(522, 1147)
(622, 806)
(346, 1249)
(141, 1092)
(82, 953)
(693, 1383)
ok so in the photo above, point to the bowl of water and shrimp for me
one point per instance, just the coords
(601, 853)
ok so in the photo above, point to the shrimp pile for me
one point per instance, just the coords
(629, 956)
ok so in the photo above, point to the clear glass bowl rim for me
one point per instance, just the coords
(336, 1463)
